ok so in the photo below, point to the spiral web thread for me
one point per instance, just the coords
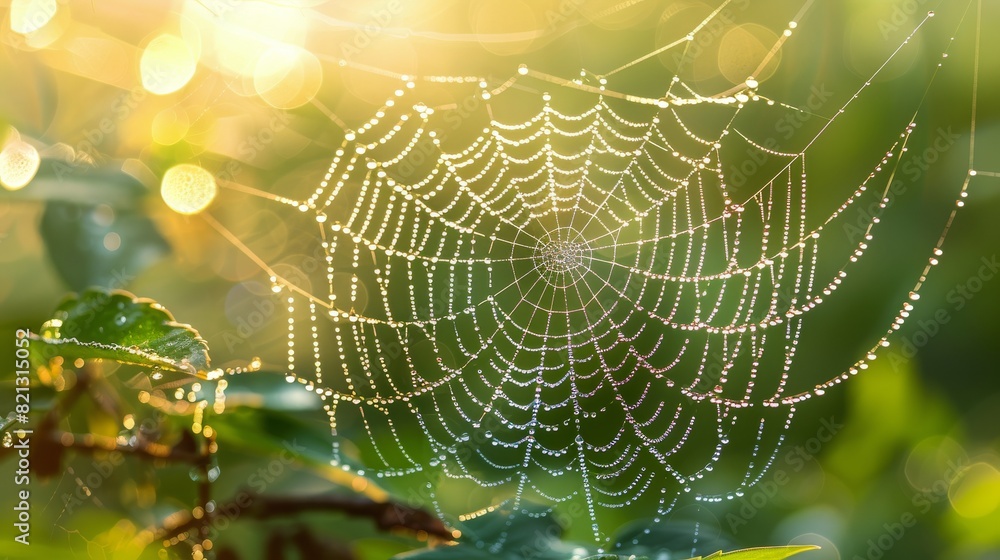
(560, 308)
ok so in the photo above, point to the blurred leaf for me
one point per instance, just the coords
(99, 246)
(378, 549)
(644, 538)
(266, 389)
(535, 535)
(267, 433)
(765, 553)
(61, 178)
(118, 326)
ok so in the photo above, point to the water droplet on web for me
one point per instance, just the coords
(433, 257)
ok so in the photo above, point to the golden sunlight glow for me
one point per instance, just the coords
(170, 126)
(503, 17)
(287, 77)
(743, 48)
(28, 16)
(237, 36)
(19, 161)
(167, 64)
(188, 189)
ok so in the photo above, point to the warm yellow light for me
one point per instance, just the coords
(976, 492)
(19, 162)
(167, 64)
(741, 51)
(287, 77)
(170, 126)
(187, 189)
(238, 35)
(28, 16)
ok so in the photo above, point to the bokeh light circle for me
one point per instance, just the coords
(188, 189)
(743, 48)
(287, 77)
(167, 64)
(28, 16)
(976, 493)
(19, 162)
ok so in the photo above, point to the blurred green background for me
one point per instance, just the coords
(904, 422)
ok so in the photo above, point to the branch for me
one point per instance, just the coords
(92, 443)
(388, 516)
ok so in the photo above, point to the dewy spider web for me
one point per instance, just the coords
(571, 306)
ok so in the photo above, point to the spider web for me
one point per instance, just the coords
(564, 306)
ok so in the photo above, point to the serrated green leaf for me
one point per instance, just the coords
(118, 326)
(763, 553)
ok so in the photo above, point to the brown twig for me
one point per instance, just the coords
(387, 516)
(93, 443)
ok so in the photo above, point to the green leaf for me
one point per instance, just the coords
(269, 390)
(99, 246)
(118, 326)
(269, 433)
(533, 534)
(763, 553)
